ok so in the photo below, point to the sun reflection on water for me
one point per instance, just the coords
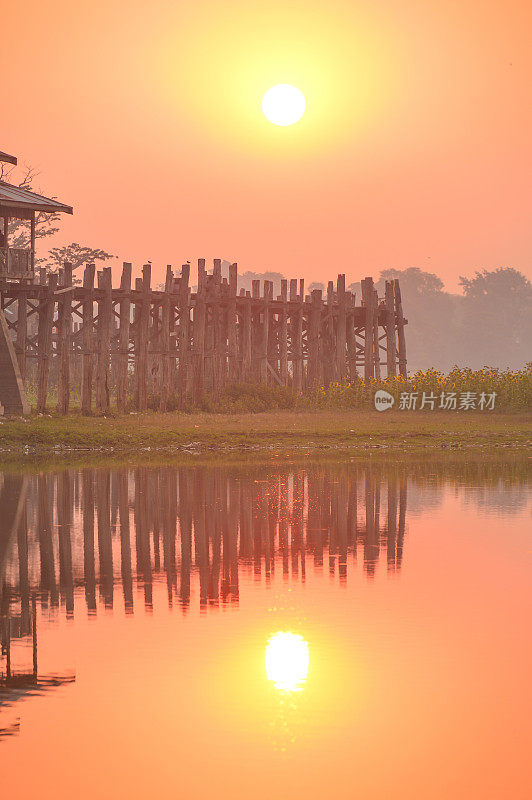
(287, 661)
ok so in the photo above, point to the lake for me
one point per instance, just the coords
(279, 629)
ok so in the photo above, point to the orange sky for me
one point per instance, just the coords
(415, 149)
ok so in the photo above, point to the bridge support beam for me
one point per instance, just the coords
(12, 395)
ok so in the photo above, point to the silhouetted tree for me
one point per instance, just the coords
(19, 229)
(496, 318)
(76, 254)
(246, 278)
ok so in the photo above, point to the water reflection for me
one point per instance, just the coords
(92, 530)
(287, 661)
(352, 595)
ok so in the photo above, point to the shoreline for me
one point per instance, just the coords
(300, 433)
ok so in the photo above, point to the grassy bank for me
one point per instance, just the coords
(278, 431)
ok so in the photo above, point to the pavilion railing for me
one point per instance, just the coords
(15, 262)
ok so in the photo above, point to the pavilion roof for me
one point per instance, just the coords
(14, 197)
(7, 158)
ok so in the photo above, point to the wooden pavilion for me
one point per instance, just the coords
(18, 263)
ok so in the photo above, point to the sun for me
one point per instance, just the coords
(283, 104)
(287, 661)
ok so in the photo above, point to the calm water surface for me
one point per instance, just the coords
(329, 630)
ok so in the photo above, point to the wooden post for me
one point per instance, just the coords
(314, 366)
(125, 540)
(376, 346)
(87, 339)
(209, 333)
(246, 339)
(141, 371)
(256, 342)
(296, 336)
(264, 334)
(66, 578)
(273, 339)
(401, 521)
(7, 624)
(65, 343)
(22, 333)
(173, 334)
(392, 522)
(199, 333)
(6, 242)
(165, 341)
(34, 635)
(46, 318)
(283, 334)
(400, 322)
(105, 310)
(46, 546)
(105, 543)
(32, 241)
(123, 337)
(391, 356)
(351, 336)
(89, 572)
(367, 301)
(232, 324)
(184, 333)
(341, 329)
(217, 345)
(330, 362)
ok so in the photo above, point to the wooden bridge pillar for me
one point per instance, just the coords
(87, 339)
(12, 395)
(368, 304)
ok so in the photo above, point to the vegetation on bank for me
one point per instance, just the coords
(431, 390)
(280, 433)
(512, 388)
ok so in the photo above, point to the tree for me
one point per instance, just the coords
(77, 255)
(316, 285)
(496, 321)
(246, 278)
(46, 224)
(504, 284)
(415, 281)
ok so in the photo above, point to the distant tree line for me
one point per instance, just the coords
(489, 324)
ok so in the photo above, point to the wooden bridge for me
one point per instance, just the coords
(177, 343)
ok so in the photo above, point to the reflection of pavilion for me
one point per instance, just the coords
(18, 683)
(93, 528)
(18, 628)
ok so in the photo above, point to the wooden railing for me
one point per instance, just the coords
(15, 262)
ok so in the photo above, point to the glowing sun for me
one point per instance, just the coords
(287, 660)
(283, 104)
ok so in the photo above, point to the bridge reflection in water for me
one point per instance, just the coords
(93, 530)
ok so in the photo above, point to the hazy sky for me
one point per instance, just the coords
(415, 150)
